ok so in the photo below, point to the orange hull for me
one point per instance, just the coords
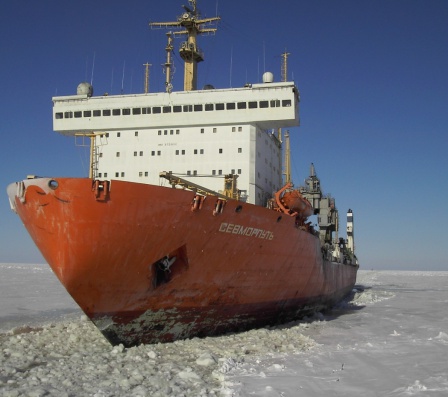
(147, 266)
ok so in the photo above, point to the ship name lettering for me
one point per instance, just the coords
(246, 231)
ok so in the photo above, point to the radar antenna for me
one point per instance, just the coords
(189, 51)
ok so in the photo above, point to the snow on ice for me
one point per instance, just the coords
(390, 338)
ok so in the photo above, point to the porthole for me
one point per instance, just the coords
(52, 184)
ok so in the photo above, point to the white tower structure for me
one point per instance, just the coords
(350, 232)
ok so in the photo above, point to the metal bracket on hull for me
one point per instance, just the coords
(196, 204)
(219, 206)
(101, 189)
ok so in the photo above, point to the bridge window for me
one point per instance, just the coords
(116, 112)
(242, 105)
(230, 106)
(106, 112)
(87, 113)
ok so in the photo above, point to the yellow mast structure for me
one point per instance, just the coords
(189, 51)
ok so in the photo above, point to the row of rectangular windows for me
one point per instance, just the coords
(178, 152)
(171, 132)
(175, 109)
(141, 173)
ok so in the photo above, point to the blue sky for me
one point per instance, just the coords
(373, 78)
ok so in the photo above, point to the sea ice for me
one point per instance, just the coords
(388, 339)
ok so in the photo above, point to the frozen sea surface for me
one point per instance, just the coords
(389, 339)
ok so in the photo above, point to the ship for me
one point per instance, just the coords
(188, 224)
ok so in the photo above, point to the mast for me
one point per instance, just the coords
(287, 165)
(285, 65)
(287, 172)
(284, 77)
(168, 63)
(189, 51)
(147, 65)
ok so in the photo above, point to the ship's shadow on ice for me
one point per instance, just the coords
(350, 303)
(360, 297)
(353, 302)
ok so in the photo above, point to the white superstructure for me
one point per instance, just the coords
(200, 135)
